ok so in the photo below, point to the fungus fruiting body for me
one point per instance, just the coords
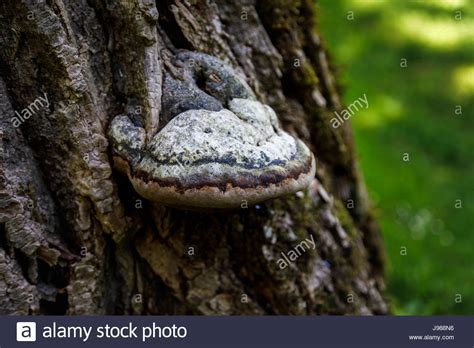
(218, 157)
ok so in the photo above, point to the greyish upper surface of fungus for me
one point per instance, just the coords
(216, 154)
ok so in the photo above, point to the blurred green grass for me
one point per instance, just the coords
(412, 110)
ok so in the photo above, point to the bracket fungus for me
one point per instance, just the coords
(219, 147)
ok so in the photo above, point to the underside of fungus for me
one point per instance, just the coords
(230, 153)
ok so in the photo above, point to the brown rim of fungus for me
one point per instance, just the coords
(230, 195)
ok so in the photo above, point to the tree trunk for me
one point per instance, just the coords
(75, 237)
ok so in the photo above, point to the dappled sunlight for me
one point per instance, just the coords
(436, 33)
(379, 4)
(445, 4)
(463, 81)
(449, 29)
(412, 112)
(383, 109)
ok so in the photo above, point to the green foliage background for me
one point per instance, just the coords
(412, 110)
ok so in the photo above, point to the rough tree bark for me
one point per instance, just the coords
(75, 238)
